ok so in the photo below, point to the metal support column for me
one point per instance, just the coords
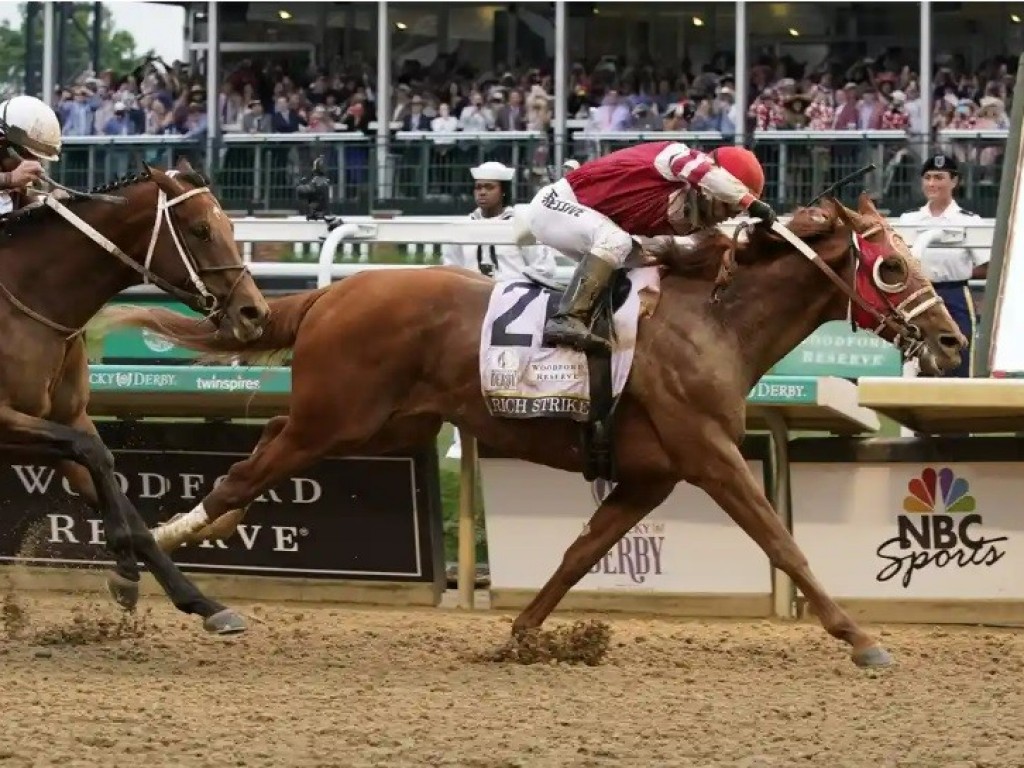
(926, 75)
(783, 589)
(60, 49)
(561, 85)
(97, 33)
(383, 96)
(212, 84)
(740, 70)
(49, 52)
(31, 84)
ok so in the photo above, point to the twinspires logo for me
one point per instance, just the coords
(228, 385)
(637, 555)
(938, 528)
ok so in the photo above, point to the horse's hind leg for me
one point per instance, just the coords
(283, 450)
(625, 506)
(225, 524)
(726, 478)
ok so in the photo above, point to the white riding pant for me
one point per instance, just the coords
(558, 221)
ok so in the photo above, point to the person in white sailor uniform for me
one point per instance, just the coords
(949, 268)
(491, 190)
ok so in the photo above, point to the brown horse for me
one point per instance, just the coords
(59, 264)
(382, 358)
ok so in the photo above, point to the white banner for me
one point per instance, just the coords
(1007, 353)
(687, 545)
(907, 530)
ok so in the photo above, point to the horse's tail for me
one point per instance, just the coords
(201, 335)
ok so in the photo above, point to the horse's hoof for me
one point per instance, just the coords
(873, 657)
(225, 622)
(124, 591)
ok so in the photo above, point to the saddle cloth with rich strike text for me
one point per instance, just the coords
(521, 379)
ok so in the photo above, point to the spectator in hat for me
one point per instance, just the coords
(415, 120)
(120, 124)
(77, 114)
(949, 268)
(895, 117)
(254, 119)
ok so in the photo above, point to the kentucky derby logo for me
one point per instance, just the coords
(938, 527)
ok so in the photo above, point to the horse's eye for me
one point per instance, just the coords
(201, 231)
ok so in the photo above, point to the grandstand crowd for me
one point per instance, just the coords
(608, 95)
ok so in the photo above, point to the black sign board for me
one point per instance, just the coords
(370, 518)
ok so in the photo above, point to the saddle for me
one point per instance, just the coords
(597, 433)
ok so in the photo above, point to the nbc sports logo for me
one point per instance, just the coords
(938, 527)
(922, 497)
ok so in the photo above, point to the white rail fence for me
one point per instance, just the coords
(345, 250)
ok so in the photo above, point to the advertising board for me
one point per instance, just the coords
(905, 522)
(363, 518)
(686, 556)
(835, 350)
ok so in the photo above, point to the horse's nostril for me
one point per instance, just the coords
(950, 341)
(249, 312)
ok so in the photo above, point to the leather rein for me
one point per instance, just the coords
(908, 336)
(200, 299)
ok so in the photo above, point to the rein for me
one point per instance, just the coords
(907, 336)
(202, 300)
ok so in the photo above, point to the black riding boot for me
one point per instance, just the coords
(570, 325)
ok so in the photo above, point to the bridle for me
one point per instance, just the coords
(908, 337)
(199, 299)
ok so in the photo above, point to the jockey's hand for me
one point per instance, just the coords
(759, 209)
(27, 172)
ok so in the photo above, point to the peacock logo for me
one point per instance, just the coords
(955, 492)
(938, 528)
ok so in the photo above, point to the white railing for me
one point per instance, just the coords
(353, 238)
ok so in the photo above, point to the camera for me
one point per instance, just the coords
(314, 192)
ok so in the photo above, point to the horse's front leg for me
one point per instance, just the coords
(179, 588)
(725, 476)
(625, 506)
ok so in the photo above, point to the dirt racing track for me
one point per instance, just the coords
(332, 685)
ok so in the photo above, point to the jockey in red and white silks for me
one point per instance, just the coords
(602, 212)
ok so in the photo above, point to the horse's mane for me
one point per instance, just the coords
(761, 246)
(28, 219)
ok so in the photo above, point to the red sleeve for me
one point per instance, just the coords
(678, 162)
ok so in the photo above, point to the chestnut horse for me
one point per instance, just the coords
(60, 262)
(382, 358)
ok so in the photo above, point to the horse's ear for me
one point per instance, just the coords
(866, 205)
(184, 165)
(856, 221)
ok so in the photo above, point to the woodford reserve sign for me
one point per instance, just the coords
(372, 518)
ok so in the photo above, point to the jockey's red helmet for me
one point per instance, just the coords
(743, 164)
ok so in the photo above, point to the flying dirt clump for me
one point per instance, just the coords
(584, 642)
(91, 620)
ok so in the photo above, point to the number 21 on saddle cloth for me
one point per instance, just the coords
(521, 378)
